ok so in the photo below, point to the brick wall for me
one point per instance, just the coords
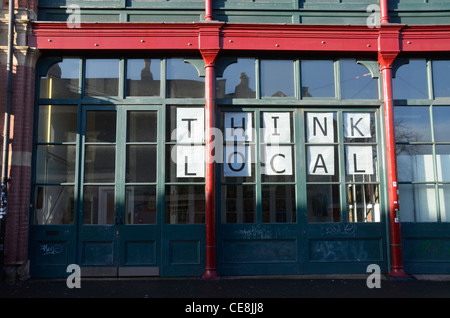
(21, 133)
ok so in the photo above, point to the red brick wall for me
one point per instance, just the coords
(22, 113)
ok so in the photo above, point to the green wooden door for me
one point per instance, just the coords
(258, 226)
(119, 231)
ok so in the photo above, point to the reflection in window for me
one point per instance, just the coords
(444, 202)
(99, 163)
(412, 124)
(418, 203)
(142, 126)
(57, 123)
(277, 78)
(238, 203)
(140, 205)
(98, 206)
(143, 77)
(323, 203)
(317, 78)
(102, 77)
(238, 80)
(100, 126)
(183, 80)
(278, 203)
(62, 80)
(441, 78)
(54, 205)
(423, 163)
(356, 81)
(55, 163)
(185, 204)
(141, 163)
(441, 123)
(415, 163)
(410, 80)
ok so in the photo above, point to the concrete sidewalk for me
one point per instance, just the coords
(340, 286)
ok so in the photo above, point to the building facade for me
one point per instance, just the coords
(214, 138)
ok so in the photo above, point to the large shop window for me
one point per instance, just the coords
(98, 135)
(273, 156)
(423, 141)
(262, 166)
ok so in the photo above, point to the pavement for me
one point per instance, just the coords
(304, 286)
(227, 296)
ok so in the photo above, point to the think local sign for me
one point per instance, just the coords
(276, 135)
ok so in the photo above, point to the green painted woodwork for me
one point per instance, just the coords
(353, 12)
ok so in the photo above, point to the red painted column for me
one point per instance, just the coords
(397, 269)
(210, 187)
(208, 10)
(384, 11)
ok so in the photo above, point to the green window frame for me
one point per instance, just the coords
(421, 142)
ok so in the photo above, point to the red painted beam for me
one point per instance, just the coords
(239, 37)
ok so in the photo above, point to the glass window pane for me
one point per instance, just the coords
(322, 163)
(98, 205)
(100, 126)
(62, 80)
(276, 127)
(277, 78)
(356, 81)
(417, 203)
(317, 78)
(441, 123)
(183, 80)
(441, 78)
(323, 203)
(278, 204)
(443, 162)
(185, 163)
(238, 204)
(415, 163)
(412, 124)
(55, 163)
(321, 127)
(102, 77)
(277, 163)
(185, 204)
(142, 126)
(143, 77)
(359, 127)
(99, 163)
(54, 205)
(140, 205)
(444, 202)
(141, 163)
(410, 81)
(238, 80)
(363, 203)
(361, 163)
(57, 123)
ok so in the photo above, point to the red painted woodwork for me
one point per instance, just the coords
(239, 37)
